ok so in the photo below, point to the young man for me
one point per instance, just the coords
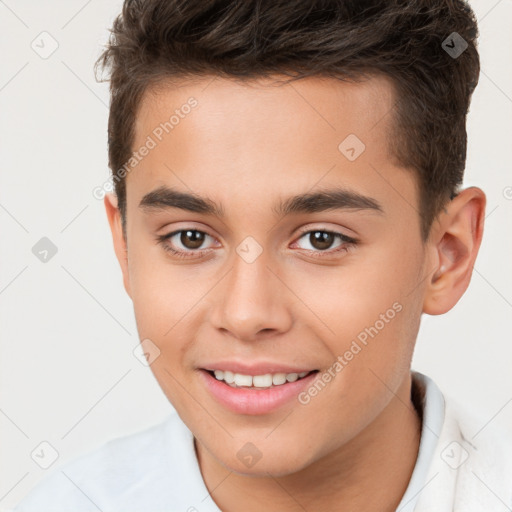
(287, 206)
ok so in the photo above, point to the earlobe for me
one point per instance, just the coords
(456, 241)
(114, 219)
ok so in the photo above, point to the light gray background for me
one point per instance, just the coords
(68, 374)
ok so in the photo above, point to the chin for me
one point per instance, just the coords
(277, 464)
(263, 470)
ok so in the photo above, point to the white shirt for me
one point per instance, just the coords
(156, 470)
(432, 407)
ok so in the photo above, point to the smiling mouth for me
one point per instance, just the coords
(269, 380)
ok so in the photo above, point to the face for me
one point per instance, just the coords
(249, 278)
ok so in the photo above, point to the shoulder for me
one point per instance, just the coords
(487, 443)
(109, 477)
(477, 453)
(470, 466)
(485, 456)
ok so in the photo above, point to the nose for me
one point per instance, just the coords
(251, 302)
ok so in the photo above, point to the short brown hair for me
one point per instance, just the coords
(152, 40)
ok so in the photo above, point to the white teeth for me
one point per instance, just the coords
(258, 381)
(243, 380)
(262, 381)
(278, 378)
(229, 377)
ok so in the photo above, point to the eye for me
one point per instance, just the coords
(322, 240)
(184, 242)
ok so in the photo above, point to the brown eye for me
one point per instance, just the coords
(192, 239)
(321, 240)
(184, 242)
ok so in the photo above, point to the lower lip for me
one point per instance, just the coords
(255, 401)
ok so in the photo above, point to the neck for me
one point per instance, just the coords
(370, 473)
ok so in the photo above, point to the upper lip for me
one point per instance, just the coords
(260, 368)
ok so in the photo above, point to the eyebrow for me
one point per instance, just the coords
(164, 197)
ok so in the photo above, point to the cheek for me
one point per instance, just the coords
(166, 299)
(368, 311)
(160, 294)
(161, 302)
(352, 296)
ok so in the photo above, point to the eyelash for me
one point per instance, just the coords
(348, 244)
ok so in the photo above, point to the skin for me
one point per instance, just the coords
(246, 146)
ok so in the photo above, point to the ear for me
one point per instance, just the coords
(120, 247)
(454, 244)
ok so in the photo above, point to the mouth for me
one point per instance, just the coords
(255, 394)
(256, 382)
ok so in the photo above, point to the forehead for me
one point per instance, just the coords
(264, 135)
(268, 106)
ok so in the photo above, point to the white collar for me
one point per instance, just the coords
(433, 406)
